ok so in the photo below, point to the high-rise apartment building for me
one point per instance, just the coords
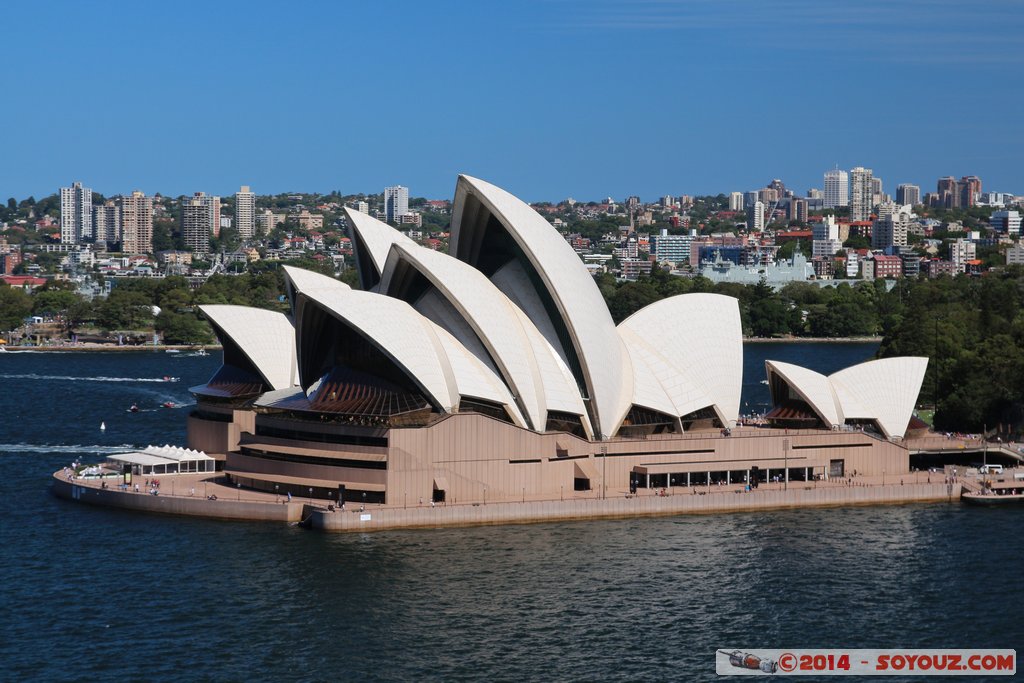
(363, 207)
(861, 194)
(778, 186)
(948, 194)
(755, 217)
(245, 213)
(768, 196)
(749, 198)
(396, 202)
(736, 201)
(890, 228)
(137, 224)
(826, 240)
(969, 188)
(75, 214)
(798, 210)
(200, 220)
(908, 194)
(106, 222)
(837, 189)
(960, 252)
(815, 193)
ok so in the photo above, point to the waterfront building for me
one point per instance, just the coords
(245, 213)
(1006, 222)
(495, 372)
(861, 194)
(736, 201)
(908, 194)
(396, 202)
(837, 189)
(106, 222)
(137, 223)
(75, 214)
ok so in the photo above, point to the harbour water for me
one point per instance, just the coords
(98, 594)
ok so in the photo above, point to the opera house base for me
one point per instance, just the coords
(379, 519)
(226, 504)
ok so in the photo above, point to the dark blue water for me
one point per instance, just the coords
(95, 594)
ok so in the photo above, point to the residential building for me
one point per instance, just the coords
(200, 220)
(861, 194)
(106, 222)
(883, 267)
(267, 220)
(749, 198)
(736, 201)
(960, 252)
(837, 189)
(937, 267)
(76, 214)
(852, 263)
(633, 268)
(1007, 222)
(137, 223)
(908, 194)
(815, 193)
(396, 202)
(947, 194)
(245, 213)
(768, 196)
(826, 240)
(363, 207)
(755, 217)
(672, 249)
(969, 189)
(1015, 255)
(797, 210)
(309, 221)
(890, 228)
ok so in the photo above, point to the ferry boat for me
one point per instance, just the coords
(990, 499)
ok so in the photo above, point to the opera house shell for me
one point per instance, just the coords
(496, 371)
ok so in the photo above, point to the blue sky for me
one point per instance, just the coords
(547, 99)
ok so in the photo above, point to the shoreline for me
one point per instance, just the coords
(78, 348)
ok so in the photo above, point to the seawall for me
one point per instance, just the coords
(178, 505)
(379, 519)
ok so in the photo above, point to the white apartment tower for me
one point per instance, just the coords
(75, 214)
(245, 213)
(861, 194)
(396, 202)
(755, 217)
(736, 201)
(137, 223)
(837, 189)
(891, 226)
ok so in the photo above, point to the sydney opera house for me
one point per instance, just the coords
(495, 372)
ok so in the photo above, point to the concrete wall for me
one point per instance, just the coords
(178, 505)
(374, 519)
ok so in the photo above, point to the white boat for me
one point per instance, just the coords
(173, 351)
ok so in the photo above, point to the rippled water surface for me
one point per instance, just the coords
(96, 594)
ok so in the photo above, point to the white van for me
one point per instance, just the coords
(991, 469)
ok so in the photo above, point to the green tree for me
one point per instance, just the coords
(15, 306)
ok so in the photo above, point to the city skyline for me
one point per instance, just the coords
(549, 99)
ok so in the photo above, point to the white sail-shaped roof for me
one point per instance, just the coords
(267, 339)
(473, 379)
(570, 287)
(511, 341)
(885, 389)
(401, 333)
(371, 242)
(693, 344)
(307, 280)
(813, 387)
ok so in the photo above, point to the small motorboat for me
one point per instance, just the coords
(173, 351)
(168, 378)
(168, 404)
(134, 408)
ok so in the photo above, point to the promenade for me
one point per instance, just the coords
(211, 496)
